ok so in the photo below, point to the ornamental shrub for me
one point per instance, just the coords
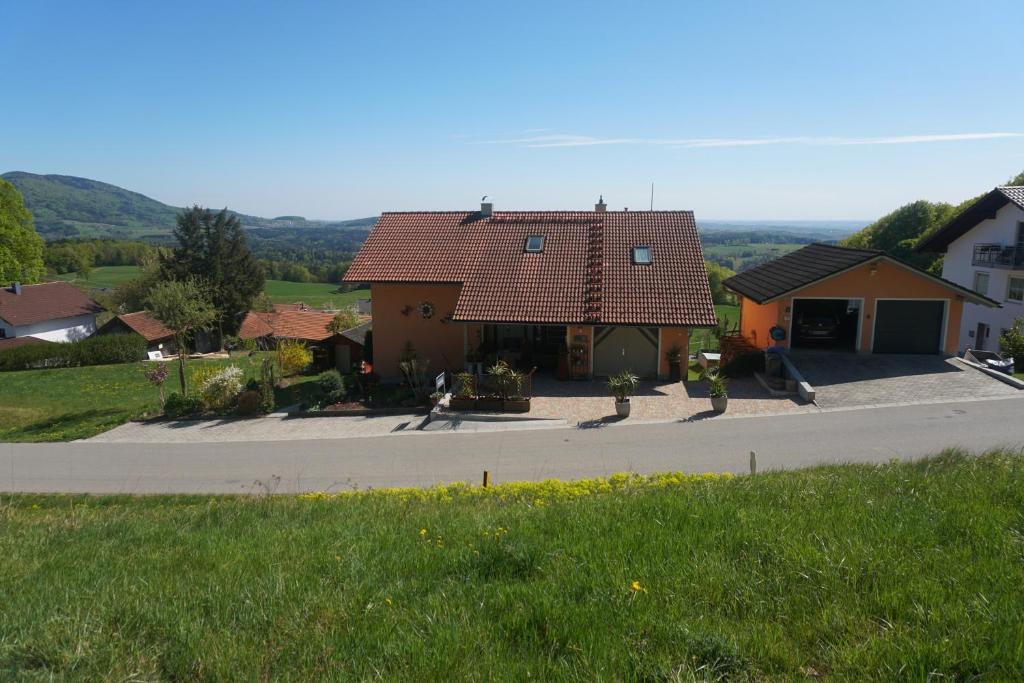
(332, 386)
(1011, 342)
(293, 357)
(106, 349)
(178, 406)
(221, 390)
(249, 403)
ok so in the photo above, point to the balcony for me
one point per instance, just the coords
(998, 256)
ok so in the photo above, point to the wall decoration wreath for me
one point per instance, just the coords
(426, 309)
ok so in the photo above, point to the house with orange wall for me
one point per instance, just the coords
(824, 296)
(600, 291)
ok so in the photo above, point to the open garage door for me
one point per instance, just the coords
(626, 348)
(908, 326)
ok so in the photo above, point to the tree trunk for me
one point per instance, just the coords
(181, 367)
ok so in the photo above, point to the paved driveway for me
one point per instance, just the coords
(846, 380)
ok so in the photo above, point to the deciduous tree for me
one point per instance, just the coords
(21, 248)
(183, 308)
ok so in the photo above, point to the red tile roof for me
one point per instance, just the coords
(48, 301)
(287, 324)
(584, 275)
(14, 342)
(146, 325)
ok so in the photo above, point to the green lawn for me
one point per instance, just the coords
(75, 403)
(895, 572)
(315, 294)
(705, 339)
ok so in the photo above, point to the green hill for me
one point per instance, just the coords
(69, 206)
(899, 232)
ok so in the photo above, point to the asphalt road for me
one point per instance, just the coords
(418, 459)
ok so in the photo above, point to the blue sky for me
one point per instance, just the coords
(792, 110)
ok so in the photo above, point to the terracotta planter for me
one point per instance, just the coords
(456, 403)
(719, 403)
(517, 405)
(622, 408)
(490, 405)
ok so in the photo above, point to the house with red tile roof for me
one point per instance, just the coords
(298, 322)
(588, 293)
(142, 323)
(52, 311)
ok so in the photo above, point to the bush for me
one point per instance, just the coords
(106, 349)
(178, 406)
(332, 386)
(222, 388)
(744, 364)
(1012, 344)
(293, 356)
(249, 403)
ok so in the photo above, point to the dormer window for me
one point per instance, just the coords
(642, 256)
(535, 244)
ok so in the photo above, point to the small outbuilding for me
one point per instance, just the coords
(300, 323)
(143, 324)
(828, 297)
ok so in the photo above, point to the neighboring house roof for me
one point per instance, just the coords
(585, 273)
(815, 262)
(960, 224)
(48, 301)
(143, 323)
(357, 334)
(287, 324)
(14, 342)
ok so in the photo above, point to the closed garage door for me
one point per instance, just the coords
(626, 348)
(908, 326)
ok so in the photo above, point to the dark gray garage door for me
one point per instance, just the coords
(908, 326)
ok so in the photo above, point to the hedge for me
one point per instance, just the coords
(104, 349)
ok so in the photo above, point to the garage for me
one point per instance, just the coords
(626, 348)
(908, 326)
(826, 323)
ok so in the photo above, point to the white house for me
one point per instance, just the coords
(984, 248)
(53, 311)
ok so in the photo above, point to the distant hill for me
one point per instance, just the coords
(69, 206)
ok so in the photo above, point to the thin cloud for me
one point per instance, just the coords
(558, 140)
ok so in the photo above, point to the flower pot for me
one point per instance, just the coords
(456, 403)
(674, 372)
(719, 403)
(622, 408)
(490, 405)
(517, 405)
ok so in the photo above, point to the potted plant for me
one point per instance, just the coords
(498, 385)
(675, 360)
(510, 387)
(717, 390)
(435, 398)
(465, 388)
(622, 386)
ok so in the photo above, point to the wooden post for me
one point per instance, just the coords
(753, 462)
(487, 478)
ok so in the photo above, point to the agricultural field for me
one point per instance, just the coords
(740, 257)
(904, 571)
(315, 294)
(63, 404)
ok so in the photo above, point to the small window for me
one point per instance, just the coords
(535, 243)
(981, 283)
(1015, 292)
(642, 256)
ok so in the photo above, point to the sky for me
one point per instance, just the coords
(770, 111)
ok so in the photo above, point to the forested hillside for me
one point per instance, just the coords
(900, 231)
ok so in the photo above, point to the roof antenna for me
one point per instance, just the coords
(652, 195)
(484, 198)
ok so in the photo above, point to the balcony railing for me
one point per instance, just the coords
(998, 256)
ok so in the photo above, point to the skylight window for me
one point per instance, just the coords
(642, 256)
(535, 243)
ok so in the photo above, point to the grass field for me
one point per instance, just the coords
(896, 572)
(315, 294)
(75, 403)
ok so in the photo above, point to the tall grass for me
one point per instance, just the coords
(902, 571)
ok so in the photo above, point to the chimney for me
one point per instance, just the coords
(486, 208)
(600, 207)
(17, 289)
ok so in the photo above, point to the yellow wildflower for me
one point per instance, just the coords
(635, 587)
